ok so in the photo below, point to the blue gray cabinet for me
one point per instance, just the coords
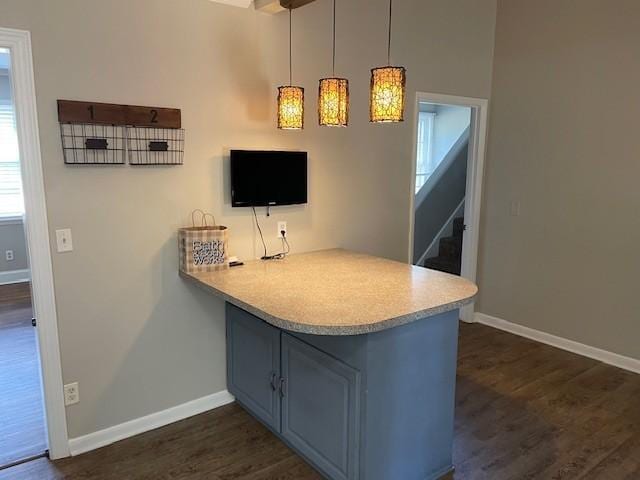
(253, 365)
(376, 406)
(320, 408)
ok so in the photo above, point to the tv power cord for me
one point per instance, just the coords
(286, 248)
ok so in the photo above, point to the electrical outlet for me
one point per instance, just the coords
(71, 393)
(8, 255)
(282, 226)
(64, 240)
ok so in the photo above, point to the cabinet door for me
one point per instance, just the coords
(320, 408)
(253, 361)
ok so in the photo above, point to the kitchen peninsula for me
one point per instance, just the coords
(348, 358)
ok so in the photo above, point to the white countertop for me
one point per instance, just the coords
(337, 292)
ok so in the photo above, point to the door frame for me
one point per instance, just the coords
(475, 171)
(37, 233)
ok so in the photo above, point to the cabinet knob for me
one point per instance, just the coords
(283, 387)
(274, 382)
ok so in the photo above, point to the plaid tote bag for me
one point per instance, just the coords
(203, 248)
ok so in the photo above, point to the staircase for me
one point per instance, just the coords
(449, 257)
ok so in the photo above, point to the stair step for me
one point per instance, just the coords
(443, 265)
(450, 247)
(458, 227)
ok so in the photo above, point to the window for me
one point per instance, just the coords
(424, 159)
(11, 201)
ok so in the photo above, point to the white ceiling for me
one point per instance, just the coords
(265, 6)
(236, 3)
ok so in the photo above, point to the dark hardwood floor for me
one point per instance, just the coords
(15, 304)
(524, 411)
(22, 432)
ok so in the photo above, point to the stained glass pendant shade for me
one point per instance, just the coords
(290, 99)
(333, 93)
(333, 102)
(290, 108)
(388, 89)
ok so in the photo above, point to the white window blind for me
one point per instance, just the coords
(11, 200)
(424, 160)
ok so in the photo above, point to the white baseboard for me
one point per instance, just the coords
(15, 276)
(140, 425)
(617, 360)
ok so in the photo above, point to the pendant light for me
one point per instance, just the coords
(333, 93)
(290, 98)
(388, 88)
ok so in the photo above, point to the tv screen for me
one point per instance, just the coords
(267, 178)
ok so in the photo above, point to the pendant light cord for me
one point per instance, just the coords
(334, 38)
(389, 45)
(290, 49)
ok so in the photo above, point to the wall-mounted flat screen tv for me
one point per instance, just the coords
(268, 178)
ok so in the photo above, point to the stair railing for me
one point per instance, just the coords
(457, 212)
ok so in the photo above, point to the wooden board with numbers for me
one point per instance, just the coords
(153, 117)
(71, 111)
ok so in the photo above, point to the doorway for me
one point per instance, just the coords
(30, 304)
(22, 424)
(441, 170)
(446, 184)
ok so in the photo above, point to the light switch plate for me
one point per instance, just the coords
(64, 240)
(515, 208)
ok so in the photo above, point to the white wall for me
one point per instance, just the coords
(564, 143)
(136, 337)
(446, 46)
(450, 122)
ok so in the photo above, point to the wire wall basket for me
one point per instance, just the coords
(89, 144)
(155, 146)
